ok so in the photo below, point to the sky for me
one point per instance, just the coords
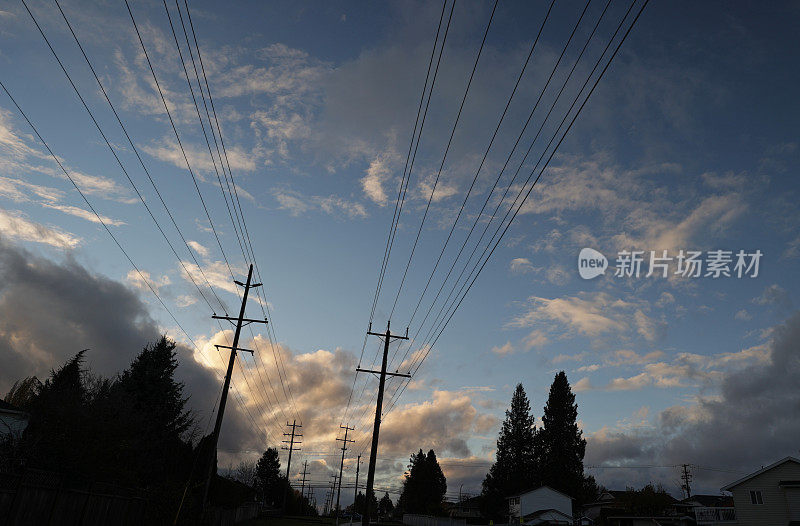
(688, 143)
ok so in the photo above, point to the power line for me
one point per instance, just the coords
(404, 184)
(444, 157)
(205, 135)
(263, 303)
(497, 180)
(527, 194)
(111, 234)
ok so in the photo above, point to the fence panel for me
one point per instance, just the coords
(410, 519)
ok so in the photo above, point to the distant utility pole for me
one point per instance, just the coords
(294, 425)
(358, 466)
(341, 467)
(686, 477)
(303, 484)
(241, 319)
(373, 454)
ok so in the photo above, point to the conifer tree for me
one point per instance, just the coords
(268, 476)
(560, 444)
(425, 485)
(515, 467)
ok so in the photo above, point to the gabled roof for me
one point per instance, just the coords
(759, 472)
(537, 489)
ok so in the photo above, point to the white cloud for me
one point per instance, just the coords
(377, 174)
(18, 227)
(197, 247)
(141, 280)
(521, 265)
(504, 349)
(298, 204)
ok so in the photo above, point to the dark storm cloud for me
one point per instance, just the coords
(51, 310)
(753, 422)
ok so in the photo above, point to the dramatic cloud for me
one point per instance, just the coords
(750, 422)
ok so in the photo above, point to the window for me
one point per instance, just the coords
(756, 498)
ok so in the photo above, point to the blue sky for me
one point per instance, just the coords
(689, 142)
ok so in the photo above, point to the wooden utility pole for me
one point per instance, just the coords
(224, 398)
(686, 476)
(355, 494)
(376, 429)
(294, 425)
(303, 484)
(341, 467)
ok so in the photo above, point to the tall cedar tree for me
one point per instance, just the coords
(515, 467)
(385, 506)
(560, 444)
(155, 412)
(424, 487)
(58, 427)
(268, 477)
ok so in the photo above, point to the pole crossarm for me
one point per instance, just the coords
(360, 370)
(212, 462)
(245, 321)
(236, 348)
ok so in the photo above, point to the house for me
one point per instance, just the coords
(467, 508)
(608, 500)
(542, 505)
(13, 421)
(769, 496)
(709, 509)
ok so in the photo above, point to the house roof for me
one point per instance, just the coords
(711, 501)
(759, 472)
(537, 489)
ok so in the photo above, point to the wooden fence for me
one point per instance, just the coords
(54, 499)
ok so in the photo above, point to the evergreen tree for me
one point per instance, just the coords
(515, 468)
(56, 435)
(268, 477)
(152, 406)
(560, 444)
(424, 486)
(385, 506)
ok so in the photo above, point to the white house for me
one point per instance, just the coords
(770, 496)
(542, 505)
(13, 420)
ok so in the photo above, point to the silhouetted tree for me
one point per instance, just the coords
(57, 431)
(560, 444)
(649, 501)
(424, 487)
(515, 468)
(268, 477)
(23, 392)
(385, 506)
(358, 504)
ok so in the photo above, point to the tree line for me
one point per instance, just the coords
(132, 430)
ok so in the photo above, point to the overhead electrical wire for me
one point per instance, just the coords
(544, 167)
(280, 366)
(208, 144)
(403, 181)
(115, 239)
(111, 148)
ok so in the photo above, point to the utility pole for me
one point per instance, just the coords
(686, 477)
(223, 399)
(303, 484)
(355, 493)
(341, 467)
(373, 454)
(294, 425)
